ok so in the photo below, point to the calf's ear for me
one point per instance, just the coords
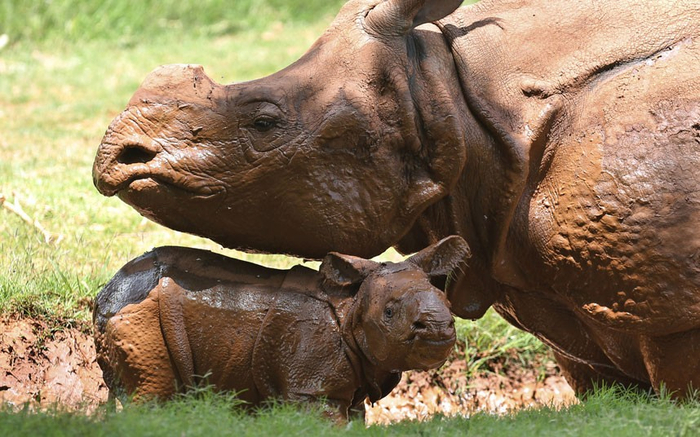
(343, 270)
(443, 257)
(398, 17)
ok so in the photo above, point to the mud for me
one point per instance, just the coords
(42, 367)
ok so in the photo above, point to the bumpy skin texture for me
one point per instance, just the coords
(560, 139)
(176, 316)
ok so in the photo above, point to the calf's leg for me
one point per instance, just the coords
(134, 352)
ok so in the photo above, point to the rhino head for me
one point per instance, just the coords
(340, 151)
(400, 320)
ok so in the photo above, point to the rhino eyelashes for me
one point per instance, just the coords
(134, 154)
(264, 123)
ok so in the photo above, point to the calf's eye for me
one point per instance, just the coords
(388, 313)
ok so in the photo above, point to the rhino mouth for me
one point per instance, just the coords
(431, 353)
(145, 181)
(151, 183)
(127, 175)
(429, 343)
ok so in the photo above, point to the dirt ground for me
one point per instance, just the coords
(42, 367)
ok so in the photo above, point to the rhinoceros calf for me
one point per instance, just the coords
(175, 315)
(560, 138)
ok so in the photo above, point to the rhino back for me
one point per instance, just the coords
(192, 269)
(528, 66)
(514, 53)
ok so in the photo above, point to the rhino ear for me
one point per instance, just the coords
(398, 17)
(343, 270)
(443, 257)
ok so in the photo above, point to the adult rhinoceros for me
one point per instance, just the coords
(560, 138)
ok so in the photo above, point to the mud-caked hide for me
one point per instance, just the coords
(177, 317)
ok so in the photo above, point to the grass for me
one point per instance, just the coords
(607, 412)
(127, 21)
(492, 344)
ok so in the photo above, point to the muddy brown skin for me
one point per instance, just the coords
(560, 139)
(174, 315)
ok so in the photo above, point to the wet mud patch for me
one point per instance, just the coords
(42, 367)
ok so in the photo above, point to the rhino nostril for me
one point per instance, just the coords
(133, 154)
(419, 326)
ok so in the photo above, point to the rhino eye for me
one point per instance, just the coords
(388, 313)
(264, 123)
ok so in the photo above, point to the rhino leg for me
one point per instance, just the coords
(588, 355)
(135, 355)
(673, 362)
(584, 378)
(172, 327)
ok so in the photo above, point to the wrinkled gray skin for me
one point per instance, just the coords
(560, 138)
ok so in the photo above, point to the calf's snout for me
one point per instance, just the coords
(433, 320)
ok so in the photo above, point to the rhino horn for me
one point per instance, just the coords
(398, 17)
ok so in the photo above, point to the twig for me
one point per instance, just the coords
(16, 208)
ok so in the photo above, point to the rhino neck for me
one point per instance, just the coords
(480, 207)
(504, 141)
(472, 289)
(481, 203)
(440, 113)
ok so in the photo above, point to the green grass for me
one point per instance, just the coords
(128, 21)
(608, 412)
(492, 344)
